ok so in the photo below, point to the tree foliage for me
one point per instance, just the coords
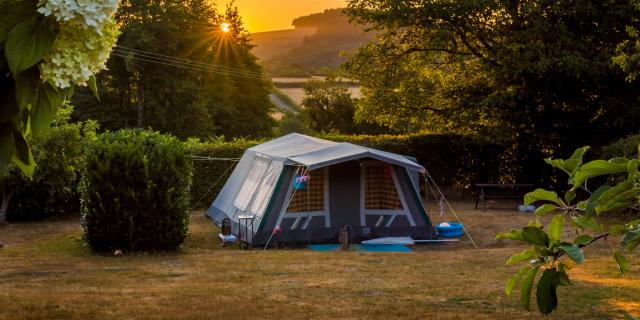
(532, 73)
(202, 82)
(45, 49)
(550, 251)
(328, 106)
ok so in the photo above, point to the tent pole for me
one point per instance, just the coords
(451, 209)
(307, 198)
(285, 208)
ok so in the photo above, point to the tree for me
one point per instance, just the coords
(527, 73)
(176, 71)
(46, 48)
(549, 252)
(628, 50)
(328, 106)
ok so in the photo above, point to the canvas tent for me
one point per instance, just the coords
(374, 192)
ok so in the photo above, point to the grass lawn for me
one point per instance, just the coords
(46, 272)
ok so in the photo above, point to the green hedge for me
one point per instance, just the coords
(455, 162)
(210, 175)
(135, 191)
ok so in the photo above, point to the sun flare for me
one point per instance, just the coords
(225, 27)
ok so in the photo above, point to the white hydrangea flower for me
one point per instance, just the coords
(87, 13)
(78, 53)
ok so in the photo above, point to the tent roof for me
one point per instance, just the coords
(317, 153)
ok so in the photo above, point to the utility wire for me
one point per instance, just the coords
(185, 66)
(173, 64)
(161, 57)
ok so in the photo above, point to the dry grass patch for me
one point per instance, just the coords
(46, 272)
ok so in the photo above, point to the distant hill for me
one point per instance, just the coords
(314, 44)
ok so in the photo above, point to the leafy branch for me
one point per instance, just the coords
(549, 250)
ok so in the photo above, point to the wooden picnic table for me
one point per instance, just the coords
(501, 191)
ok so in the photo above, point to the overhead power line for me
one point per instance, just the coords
(154, 55)
(157, 58)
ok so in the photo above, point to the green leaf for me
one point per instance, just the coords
(27, 84)
(574, 252)
(623, 264)
(511, 283)
(542, 195)
(44, 110)
(587, 222)
(563, 278)
(7, 145)
(627, 316)
(570, 164)
(622, 196)
(522, 256)
(3, 36)
(617, 229)
(597, 168)
(511, 235)
(22, 156)
(545, 208)
(569, 196)
(94, 87)
(26, 44)
(9, 109)
(546, 295)
(631, 239)
(555, 228)
(525, 288)
(535, 235)
(14, 12)
(582, 239)
(592, 203)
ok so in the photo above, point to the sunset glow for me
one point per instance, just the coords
(225, 27)
(260, 16)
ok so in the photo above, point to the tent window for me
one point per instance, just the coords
(311, 198)
(265, 189)
(380, 191)
(251, 184)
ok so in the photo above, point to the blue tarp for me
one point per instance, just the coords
(363, 247)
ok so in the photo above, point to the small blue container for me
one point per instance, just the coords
(453, 229)
(299, 183)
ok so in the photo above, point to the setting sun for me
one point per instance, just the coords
(225, 27)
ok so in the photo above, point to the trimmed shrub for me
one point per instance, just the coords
(135, 191)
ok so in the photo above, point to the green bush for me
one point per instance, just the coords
(53, 189)
(135, 191)
(628, 147)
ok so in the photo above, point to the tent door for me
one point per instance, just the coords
(381, 195)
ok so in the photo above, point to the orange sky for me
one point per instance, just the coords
(266, 15)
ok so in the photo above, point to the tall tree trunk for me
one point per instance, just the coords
(140, 99)
(6, 198)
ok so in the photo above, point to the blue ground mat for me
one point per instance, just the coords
(363, 247)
